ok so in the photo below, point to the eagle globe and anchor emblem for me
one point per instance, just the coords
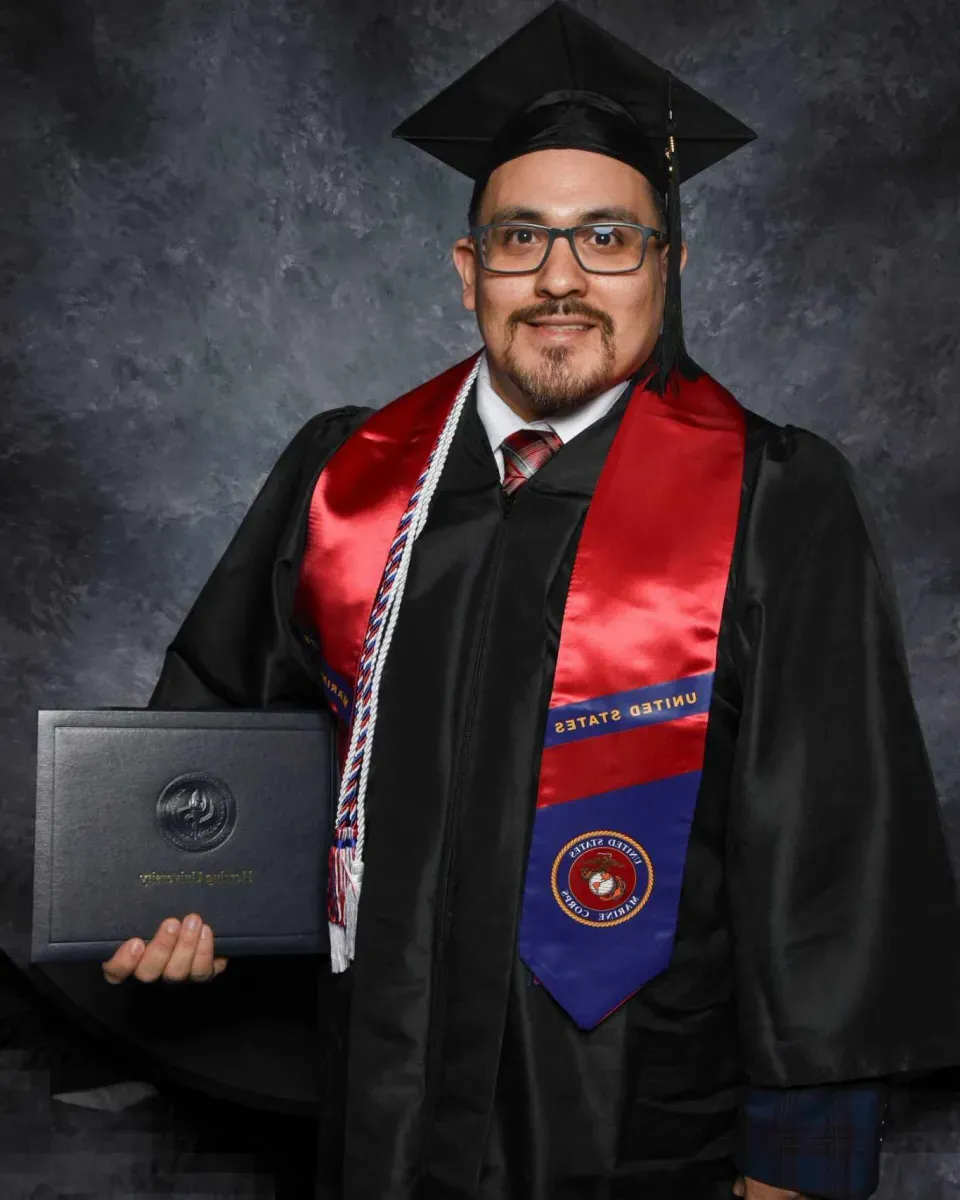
(196, 811)
(602, 878)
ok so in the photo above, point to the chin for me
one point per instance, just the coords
(559, 378)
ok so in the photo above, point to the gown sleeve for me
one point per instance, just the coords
(842, 897)
(233, 649)
(818, 1141)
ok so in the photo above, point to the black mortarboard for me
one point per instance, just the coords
(563, 82)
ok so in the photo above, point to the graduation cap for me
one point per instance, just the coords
(563, 82)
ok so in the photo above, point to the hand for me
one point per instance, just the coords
(177, 953)
(753, 1190)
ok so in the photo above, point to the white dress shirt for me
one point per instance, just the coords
(499, 419)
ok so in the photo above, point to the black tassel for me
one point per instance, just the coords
(673, 350)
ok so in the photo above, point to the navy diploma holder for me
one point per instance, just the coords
(149, 813)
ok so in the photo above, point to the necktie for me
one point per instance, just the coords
(524, 453)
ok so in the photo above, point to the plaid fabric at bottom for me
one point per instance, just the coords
(823, 1142)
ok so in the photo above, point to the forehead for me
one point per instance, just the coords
(563, 183)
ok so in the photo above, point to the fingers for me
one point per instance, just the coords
(178, 952)
(180, 965)
(753, 1189)
(124, 961)
(153, 962)
(204, 966)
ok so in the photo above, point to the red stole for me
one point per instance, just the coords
(625, 732)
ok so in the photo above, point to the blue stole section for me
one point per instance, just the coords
(603, 891)
(626, 710)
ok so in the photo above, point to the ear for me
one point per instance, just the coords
(465, 260)
(665, 262)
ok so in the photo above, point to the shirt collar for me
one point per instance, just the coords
(499, 419)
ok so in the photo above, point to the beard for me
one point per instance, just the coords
(553, 385)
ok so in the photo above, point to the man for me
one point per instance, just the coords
(638, 877)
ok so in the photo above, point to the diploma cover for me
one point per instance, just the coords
(146, 814)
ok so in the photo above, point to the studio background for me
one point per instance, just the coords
(207, 235)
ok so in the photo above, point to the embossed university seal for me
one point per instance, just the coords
(196, 811)
(602, 878)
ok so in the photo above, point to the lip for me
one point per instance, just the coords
(560, 330)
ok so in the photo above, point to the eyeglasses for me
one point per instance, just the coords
(605, 248)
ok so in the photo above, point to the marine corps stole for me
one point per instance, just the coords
(627, 719)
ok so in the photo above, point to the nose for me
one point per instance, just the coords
(561, 274)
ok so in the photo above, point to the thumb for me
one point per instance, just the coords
(740, 1187)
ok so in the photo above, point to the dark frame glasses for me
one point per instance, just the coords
(553, 232)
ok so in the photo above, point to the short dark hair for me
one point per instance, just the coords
(476, 198)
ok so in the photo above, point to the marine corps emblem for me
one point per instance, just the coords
(602, 878)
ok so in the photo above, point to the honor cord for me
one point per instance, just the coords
(346, 855)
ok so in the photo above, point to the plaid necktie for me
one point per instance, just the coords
(524, 453)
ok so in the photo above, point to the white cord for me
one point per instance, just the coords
(343, 937)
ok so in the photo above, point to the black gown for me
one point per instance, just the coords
(818, 939)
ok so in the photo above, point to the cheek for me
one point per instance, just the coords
(635, 312)
(497, 299)
(626, 302)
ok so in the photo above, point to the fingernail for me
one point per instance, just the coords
(190, 923)
(136, 947)
(205, 932)
(171, 927)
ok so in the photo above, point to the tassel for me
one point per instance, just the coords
(338, 948)
(673, 349)
(354, 881)
(671, 339)
(343, 904)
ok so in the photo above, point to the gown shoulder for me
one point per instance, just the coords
(319, 436)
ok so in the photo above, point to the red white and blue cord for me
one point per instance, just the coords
(346, 853)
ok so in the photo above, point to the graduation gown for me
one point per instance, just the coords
(817, 938)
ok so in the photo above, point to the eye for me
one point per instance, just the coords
(606, 236)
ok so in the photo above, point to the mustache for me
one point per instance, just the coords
(562, 308)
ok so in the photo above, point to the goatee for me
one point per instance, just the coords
(552, 386)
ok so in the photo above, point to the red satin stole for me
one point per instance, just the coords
(625, 731)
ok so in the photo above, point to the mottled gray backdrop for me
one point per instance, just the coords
(207, 235)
